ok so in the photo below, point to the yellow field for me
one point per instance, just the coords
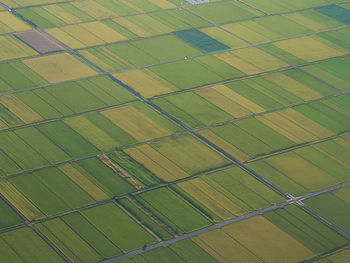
(103, 32)
(21, 110)
(238, 63)
(157, 163)
(229, 148)
(164, 4)
(19, 201)
(223, 102)
(223, 37)
(305, 21)
(245, 32)
(293, 86)
(11, 23)
(310, 48)
(267, 241)
(211, 198)
(11, 47)
(301, 171)
(65, 38)
(224, 248)
(255, 56)
(92, 189)
(93, 9)
(62, 14)
(93, 134)
(243, 101)
(82, 34)
(133, 27)
(59, 67)
(144, 83)
(290, 130)
(308, 124)
(137, 124)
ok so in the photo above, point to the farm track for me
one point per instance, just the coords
(228, 222)
(36, 230)
(262, 49)
(291, 199)
(191, 57)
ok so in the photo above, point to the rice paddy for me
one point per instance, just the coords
(146, 131)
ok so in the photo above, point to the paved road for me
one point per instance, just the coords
(203, 230)
(260, 48)
(234, 160)
(228, 222)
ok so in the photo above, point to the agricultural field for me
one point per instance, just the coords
(174, 131)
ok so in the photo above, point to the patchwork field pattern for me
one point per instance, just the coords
(146, 131)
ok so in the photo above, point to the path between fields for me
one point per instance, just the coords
(163, 112)
(237, 219)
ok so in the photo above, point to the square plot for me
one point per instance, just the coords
(59, 67)
(39, 41)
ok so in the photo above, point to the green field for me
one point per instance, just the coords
(180, 131)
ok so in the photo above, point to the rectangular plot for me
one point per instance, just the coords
(136, 123)
(42, 145)
(18, 200)
(336, 12)
(28, 246)
(39, 42)
(157, 163)
(96, 136)
(168, 204)
(201, 41)
(11, 47)
(59, 67)
(68, 241)
(118, 227)
(25, 156)
(70, 141)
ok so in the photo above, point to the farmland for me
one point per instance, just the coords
(146, 131)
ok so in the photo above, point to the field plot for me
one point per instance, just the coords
(15, 4)
(275, 6)
(190, 126)
(59, 67)
(10, 23)
(226, 194)
(141, 122)
(312, 48)
(237, 99)
(11, 48)
(334, 206)
(25, 245)
(39, 42)
(334, 71)
(307, 169)
(59, 14)
(200, 71)
(332, 113)
(263, 134)
(256, 239)
(173, 210)
(175, 158)
(140, 53)
(74, 97)
(185, 251)
(276, 27)
(15, 75)
(338, 257)
(224, 12)
(96, 233)
(8, 216)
